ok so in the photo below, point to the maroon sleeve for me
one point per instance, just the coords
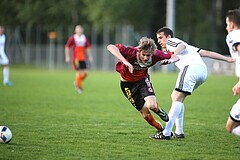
(162, 55)
(126, 51)
(88, 44)
(70, 42)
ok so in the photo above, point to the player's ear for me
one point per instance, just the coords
(232, 26)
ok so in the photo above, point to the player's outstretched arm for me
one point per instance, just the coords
(173, 59)
(115, 51)
(214, 55)
(180, 47)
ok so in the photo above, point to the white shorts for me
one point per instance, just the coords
(3, 59)
(235, 111)
(190, 78)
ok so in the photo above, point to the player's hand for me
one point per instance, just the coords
(67, 59)
(129, 66)
(165, 61)
(230, 60)
(90, 60)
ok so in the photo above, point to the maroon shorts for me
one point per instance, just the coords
(135, 92)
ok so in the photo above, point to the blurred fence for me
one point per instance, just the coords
(34, 47)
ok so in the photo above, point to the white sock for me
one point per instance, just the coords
(236, 131)
(5, 74)
(173, 114)
(179, 122)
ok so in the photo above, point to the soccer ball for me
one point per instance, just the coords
(5, 134)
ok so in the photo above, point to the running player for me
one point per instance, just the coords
(135, 83)
(193, 72)
(233, 42)
(4, 59)
(80, 47)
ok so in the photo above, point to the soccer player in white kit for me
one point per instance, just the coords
(4, 59)
(233, 42)
(193, 73)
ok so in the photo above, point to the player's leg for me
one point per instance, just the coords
(146, 114)
(81, 74)
(6, 70)
(135, 98)
(152, 104)
(77, 83)
(194, 77)
(173, 114)
(236, 130)
(83, 70)
(233, 127)
(175, 110)
(6, 73)
(178, 97)
(147, 92)
(179, 133)
(233, 122)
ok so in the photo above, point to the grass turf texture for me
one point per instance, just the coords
(50, 120)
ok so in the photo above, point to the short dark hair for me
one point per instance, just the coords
(234, 16)
(167, 31)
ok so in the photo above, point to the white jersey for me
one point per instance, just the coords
(232, 39)
(193, 71)
(3, 57)
(189, 56)
(2, 43)
(80, 40)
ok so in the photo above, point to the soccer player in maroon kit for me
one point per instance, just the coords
(133, 67)
(80, 47)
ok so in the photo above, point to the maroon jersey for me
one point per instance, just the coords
(79, 44)
(139, 72)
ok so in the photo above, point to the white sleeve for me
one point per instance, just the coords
(235, 37)
(172, 43)
(232, 39)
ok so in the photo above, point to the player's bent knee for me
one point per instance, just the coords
(152, 106)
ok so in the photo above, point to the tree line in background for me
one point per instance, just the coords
(199, 22)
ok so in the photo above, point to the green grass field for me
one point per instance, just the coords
(49, 120)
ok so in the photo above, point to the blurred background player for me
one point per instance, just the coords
(233, 42)
(4, 59)
(192, 73)
(135, 82)
(81, 51)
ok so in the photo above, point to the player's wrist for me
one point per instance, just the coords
(170, 61)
